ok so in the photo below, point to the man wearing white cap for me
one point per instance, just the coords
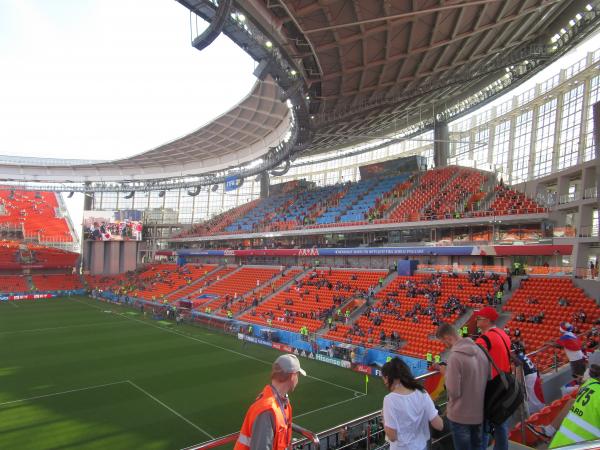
(268, 422)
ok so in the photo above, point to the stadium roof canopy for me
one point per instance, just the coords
(238, 136)
(366, 69)
(375, 67)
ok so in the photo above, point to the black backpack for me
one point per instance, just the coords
(503, 394)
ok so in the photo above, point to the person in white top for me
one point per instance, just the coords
(407, 409)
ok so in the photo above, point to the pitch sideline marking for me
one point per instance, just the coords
(168, 407)
(218, 346)
(88, 388)
(330, 405)
(36, 330)
(98, 386)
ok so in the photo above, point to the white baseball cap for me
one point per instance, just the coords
(289, 364)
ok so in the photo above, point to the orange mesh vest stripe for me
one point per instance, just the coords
(267, 401)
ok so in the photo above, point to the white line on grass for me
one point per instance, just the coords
(88, 388)
(66, 327)
(217, 346)
(329, 406)
(169, 408)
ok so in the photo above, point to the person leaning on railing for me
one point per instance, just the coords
(268, 422)
(407, 410)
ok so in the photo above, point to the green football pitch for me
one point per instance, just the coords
(76, 373)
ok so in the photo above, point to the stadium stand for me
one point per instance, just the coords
(13, 283)
(509, 201)
(359, 199)
(313, 298)
(540, 305)
(270, 287)
(429, 185)
(259, 215)
(61, 282)
(113, 283)
(36, 213)
(183, 293)
(543, 417)
(411, 308)
(18, 254)
(448, 193)
(218, 223)
(160, 280)
(236, 285)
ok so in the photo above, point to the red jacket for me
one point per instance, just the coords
(497, 343)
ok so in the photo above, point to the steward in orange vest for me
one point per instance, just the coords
(268, 422)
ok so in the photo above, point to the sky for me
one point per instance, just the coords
(106, 79)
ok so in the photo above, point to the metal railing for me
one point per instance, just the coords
(309, 436)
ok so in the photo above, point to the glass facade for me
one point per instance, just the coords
(543, 130)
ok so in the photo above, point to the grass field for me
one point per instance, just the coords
(80, 374)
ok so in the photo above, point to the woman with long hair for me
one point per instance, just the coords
(407, 409)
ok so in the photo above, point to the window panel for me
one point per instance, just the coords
(522, 147)
(501, 146)
(594, 97)
(544, 143)
(570, 127)
(481, 146)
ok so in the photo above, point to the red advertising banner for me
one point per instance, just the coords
(282, 347)
(362, 369)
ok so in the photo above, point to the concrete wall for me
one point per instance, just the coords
(109, 257)
(591, 288)
(128, 256)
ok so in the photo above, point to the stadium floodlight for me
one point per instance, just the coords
(268, 44)
(130, 195)
(71, 194)
(589, 7)
(161, 194)
(215, 188)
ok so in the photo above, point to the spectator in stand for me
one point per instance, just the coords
(268, 422)
(497, 343)
(572, 346)
(466, 378)
(533, 381)
(407, 409)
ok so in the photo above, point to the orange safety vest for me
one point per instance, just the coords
(267, 401)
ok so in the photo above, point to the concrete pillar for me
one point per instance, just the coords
(441, 144)
(128, 256)
(97, 258)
